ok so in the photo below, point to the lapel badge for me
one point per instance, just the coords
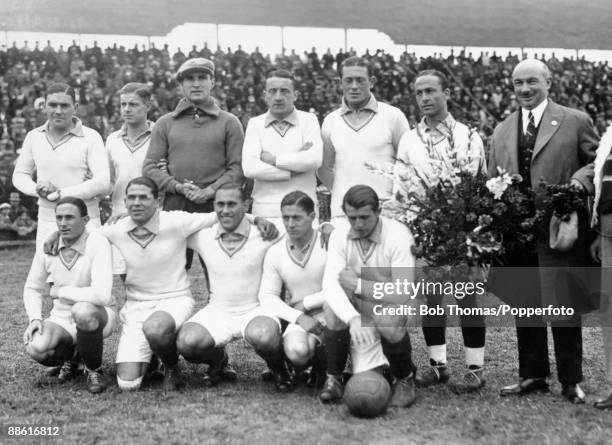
(554, 123)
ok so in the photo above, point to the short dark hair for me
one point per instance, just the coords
(147, 182)
(360, 196)
(281, 73)
(60, 87)
(140, 89)
(439, 74)
(300, 199)
(234, 186)
(356, 61)
(77, 202)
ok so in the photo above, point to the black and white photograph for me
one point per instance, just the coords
(306, 222)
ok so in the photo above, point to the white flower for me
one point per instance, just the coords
(499, 184)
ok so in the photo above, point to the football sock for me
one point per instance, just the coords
(275, 359)
(129, 385)
(319, 360)
(437, 353)
(213, 356)
(399, 356)
(337, 345)
(89, 345)
(474, 357)
(167, 353)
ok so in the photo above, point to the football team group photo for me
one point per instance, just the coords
(349, 246)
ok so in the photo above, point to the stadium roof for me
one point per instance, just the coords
(516, 23)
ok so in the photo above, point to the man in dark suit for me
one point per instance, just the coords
(543, 140)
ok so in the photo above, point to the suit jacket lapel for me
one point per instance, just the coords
(550, 123)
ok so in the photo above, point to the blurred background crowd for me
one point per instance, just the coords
(480, 88)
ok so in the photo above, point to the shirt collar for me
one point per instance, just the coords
(292, 246)
(78, 245)
(374, 236)
(152, 225)
(447, 124)
(291, 119)
(209, 107)
(372, 106)
(243, 229)
(537, 113)
(77, 130)
(147, 130)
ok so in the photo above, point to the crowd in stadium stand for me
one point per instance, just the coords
(480, 86)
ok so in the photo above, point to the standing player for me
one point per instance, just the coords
(439, 140)
(297, 263)
(374, 249)
(82, 280)
(128, 146)
(234, 255)
(361, 132)
(62, 154)
(282, 148)
(201, 143)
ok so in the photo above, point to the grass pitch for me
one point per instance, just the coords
(250, 411)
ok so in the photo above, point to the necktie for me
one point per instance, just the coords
(531, 128)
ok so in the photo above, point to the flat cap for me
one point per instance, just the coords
(195, 64)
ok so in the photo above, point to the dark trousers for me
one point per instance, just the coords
(533, 350)
(472, 326)
(179, 202)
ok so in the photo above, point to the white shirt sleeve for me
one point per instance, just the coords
(252, 165)
(35, 287)
(191, 223)
(97, 162)
(336, 262)
(25, 168)
(400, 127)
(326, 171)
(100, 289)
(270, 291)
(305, 160)
(314, 301)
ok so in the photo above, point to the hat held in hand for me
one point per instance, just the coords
(563, 234)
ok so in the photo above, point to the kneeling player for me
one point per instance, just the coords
(233, 254)
(152, 244)
(82, 280)
(374, 249)
(296, 263)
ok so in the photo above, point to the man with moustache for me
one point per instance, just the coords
(556, 143)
